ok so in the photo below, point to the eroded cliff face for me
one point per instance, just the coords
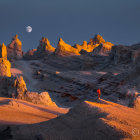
(14, 49)
(64, 49)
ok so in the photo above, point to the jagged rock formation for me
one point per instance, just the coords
(16, 88)
(14, 49)
(64, 49)
(98, 44)
(42, 98)
(20, 86)
(45, 46)
(3, 51)
(5, 66)
(44, 49)
(98, 39)
(103, 49)
(30, 54)
(12, 87)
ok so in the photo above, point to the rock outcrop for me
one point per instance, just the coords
(3, 51)
(5, 67)
(43, 50)
(29, 55)
(103, 49)
(42, 98)
(93, 44)
(14, 49)
(98, 39)
(123, 54)
(64, 49)
(45, 46)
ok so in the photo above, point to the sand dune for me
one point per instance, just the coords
(87, 121)
(14, 111)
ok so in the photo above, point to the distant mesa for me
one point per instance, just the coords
(14, 49)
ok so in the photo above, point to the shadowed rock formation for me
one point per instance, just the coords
(64, 49)
(30, 54)
(14, 49)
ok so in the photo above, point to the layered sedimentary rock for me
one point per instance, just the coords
(14, 49)
(3, 51)
(64, 49)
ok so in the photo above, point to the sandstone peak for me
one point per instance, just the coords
(103, 49)
(3, 51)
(5, 67)
(98, 39)
(14, 49)
(45, 46)
(64, 49)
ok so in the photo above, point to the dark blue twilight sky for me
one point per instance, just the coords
(117, 21)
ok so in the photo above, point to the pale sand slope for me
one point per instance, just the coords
(23, 68)
(13, 111)
(99, 120)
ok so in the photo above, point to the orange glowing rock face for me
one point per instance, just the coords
(45, 45)
(64, 49)
(5, 67)
(3, 51)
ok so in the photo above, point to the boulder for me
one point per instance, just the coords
(64, 49)
(14, 49)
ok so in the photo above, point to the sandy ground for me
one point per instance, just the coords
(87, 121)
(13, 111)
